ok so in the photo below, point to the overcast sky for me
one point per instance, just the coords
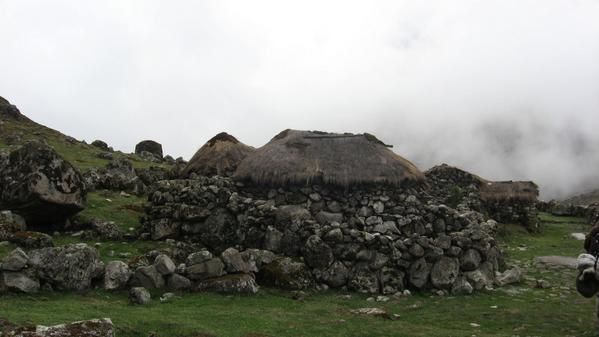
(508, 89)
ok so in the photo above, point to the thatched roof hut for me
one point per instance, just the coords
(305, 157)
(220, 155)
(509, 191)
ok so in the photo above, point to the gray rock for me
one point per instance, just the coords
(234, 263)
(229, 284)
(334, 206)
(387, 227)
(18, 281)
(273, 239)
(478, 279)
(416, 250)
(38, 184)
(208, 269)
(176, 282)
(378, 207)
(419, 273)
(149, 277)
(336, 275)
(327, 218)
(139, 295)
(256, 258)
(510, 276)
(470, 260)
(461, 287)
(116, 275)
(334, 235)
(149, 146)
(198, 257)
(317, 253)
(15, 261)
(287, 274)
(444, 272)
(164, 265)
(70, 267)
(291, 213)
(107, 230)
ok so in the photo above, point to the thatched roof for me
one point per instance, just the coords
(220, 155)
(304, 157)
(509, 190)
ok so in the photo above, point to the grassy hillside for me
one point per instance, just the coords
(584, 199)
(82, 155)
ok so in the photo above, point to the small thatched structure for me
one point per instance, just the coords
(220, 155)
(526, 191)
(305, 157)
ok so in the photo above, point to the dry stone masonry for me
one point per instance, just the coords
(373, 239)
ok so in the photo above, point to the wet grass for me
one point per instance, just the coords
(124, 210)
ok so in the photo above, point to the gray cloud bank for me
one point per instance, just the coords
(508, 89)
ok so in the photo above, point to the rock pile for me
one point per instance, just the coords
(71, 267)
(373, 239)
(90, 328)
(119, 175)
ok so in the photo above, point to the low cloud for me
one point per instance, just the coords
(508, 89)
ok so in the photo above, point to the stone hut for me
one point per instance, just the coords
(219, 156)
(354, 214)
(504, 201)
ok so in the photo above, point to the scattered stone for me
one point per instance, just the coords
(375, 312)
(578, 236)
(139, 295)
(166, 297)
(542, 284)
(205, 270)
(90, 328)
(510, 276)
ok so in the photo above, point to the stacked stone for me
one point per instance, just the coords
(461, 190)
(119, 175)
(371, 239)
(71, 267)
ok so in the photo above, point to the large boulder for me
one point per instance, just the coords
(91, 328)
(70, 267)
(8, 110)
(149, 146)
(38, 184)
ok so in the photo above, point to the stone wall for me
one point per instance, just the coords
(462, 190)
(372, 239)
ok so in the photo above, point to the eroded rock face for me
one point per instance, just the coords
(70, 267)
(38, 184)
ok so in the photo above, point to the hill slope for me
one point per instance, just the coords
(16, 129)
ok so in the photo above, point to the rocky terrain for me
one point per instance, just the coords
(62, 201)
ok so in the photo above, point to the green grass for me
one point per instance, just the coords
(519, 310)
(112, 206)
(81, 155)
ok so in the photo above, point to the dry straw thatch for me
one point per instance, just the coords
(220, 155)
(509, 191)
(306, 157)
